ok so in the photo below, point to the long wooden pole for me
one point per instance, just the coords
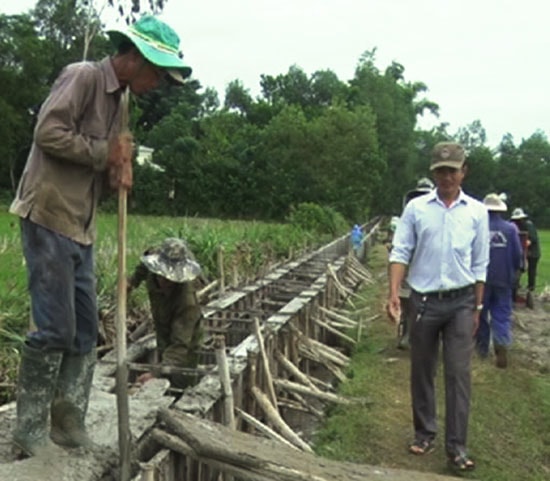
(124, 437)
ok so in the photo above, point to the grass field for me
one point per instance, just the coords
(543, 273)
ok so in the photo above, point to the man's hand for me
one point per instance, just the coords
(119, 160)
(476, 322)
(393, 308)
(143, 378)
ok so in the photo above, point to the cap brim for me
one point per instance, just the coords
(161, 58)
(447, 163)
(497, 208)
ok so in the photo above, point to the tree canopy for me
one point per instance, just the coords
(352, 146)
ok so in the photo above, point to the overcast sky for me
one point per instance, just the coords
(480, 59)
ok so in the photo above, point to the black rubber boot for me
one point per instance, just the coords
(70, 404)
(38, 373)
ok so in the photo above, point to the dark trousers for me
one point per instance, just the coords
(63, 291)
(452, 322)
(532, 272)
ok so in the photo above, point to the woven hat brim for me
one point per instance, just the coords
(156, 56)
(183, 271)
(496, 208)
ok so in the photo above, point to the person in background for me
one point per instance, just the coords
(171, 273)
(533, 252)
(78, 146)
(356, 238)
(442, 243)
(505, 260)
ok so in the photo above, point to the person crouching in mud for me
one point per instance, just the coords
(170, 273)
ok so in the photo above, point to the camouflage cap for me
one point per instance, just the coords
(173, 260)
(448, 154)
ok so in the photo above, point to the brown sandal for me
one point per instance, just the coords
(461, 462)
(420, 447)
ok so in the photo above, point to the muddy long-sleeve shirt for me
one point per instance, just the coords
(65, 170)
(177, 317)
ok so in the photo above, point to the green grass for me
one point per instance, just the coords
(543, 269)
(509, 432)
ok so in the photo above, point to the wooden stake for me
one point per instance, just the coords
(124, 435)
(263, 428)
(338, 317)
(292, 369)
(275, 418)
(335, 331)
(223, 369)
(301, 389)
(265, 362)
(221, 270)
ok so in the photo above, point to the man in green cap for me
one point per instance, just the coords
(78, 145)
(170, 273)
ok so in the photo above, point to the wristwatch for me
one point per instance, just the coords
(479, 307)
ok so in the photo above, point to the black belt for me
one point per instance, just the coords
(451, 293)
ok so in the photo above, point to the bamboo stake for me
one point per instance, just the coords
(263, 428)
(124, 435)
(338, 317)
(207, 289)
(275, 418)
(304, 405)
(265, 362)
(330, 353)
(223, 369)
(321, 349)
(322, 384)
(334, 331)
(148, 473)
(314, 356)
(301, 389)
(251, 358)
(221, 270)
(292, 369)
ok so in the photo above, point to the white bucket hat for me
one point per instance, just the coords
(494, 203)
(518, 214)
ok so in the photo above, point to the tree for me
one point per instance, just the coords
(24, 68)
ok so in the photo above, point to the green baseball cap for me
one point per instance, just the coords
(157, 42)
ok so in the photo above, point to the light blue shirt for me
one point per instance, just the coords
(444, 247)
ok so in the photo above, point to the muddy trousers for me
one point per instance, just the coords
(450, 320)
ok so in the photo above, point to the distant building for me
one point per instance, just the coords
(145, 157)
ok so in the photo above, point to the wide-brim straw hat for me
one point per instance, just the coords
(157, 42)
(172, 260)
(518, 214)
(494, 203)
